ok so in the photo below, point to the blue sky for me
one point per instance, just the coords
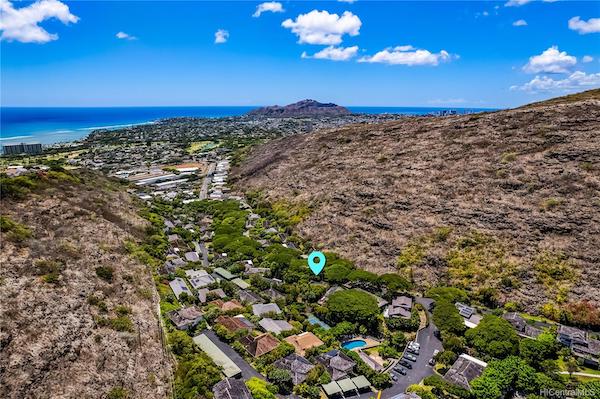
(449, 53)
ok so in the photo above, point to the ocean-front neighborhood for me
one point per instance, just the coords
(237, 298)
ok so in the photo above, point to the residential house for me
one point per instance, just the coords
(185, 318)
(517, 321)
(231, 388)
(338, 364)
(179, 287)
(199, 278)
(273, 294)
(221, 273)
(235, 324)
(531, 332)
(275, 326)
(464, 310)
(204, 293)
(304, 341)
(297, 366)
(581, 345)
(260, 309)
(192, 256)
(400, 307)
(258, 346)
(227, 306)
(240, 283)
(464, 370)
(372, 363)
(249, 297)
(570, 335)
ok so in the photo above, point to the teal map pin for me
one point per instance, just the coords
(316, 262)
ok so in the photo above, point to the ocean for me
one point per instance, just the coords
(56, 125)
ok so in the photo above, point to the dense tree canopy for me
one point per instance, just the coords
(493, 337)
(354, 306)
(447, 318)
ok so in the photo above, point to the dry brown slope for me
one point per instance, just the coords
(529, 178)
(51, 342)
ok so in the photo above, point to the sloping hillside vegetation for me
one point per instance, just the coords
(78, 315)
(503, 204)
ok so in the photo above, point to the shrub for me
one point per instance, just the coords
(105, 273)
(14, 231)
(118, 393)
(411, 255)
(122, 323)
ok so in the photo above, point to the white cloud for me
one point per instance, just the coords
(269, 6)
(583, 27)
(576, 81)
(516, 3)
(550, 61)
(408, 55)
(347, 1)
(22, 24)
(520, 22)
(221, 36)
(125, 36)
(334, 53)
(320, 27)
(587, 58)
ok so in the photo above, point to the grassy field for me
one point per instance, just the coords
(198, 146)
(36, 159)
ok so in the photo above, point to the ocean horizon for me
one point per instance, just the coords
(51, 125)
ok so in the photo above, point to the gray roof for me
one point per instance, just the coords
(185, 317)
(179, 286)
(192, 256)
(464, 370)
(199, 278)
(203, 292)
(249, 296)
(275, 326)
(298, 367)
(259, 309)
(337, 363)
(230, 388)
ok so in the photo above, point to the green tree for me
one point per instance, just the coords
(447, 318)
(195, 376)
(282, 379)
(493, 337)
(354, 306)
(261, 389)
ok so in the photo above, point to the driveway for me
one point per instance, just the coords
(201, 249)
(247, 370)
(421, 367)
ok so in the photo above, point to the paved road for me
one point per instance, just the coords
(247, 370)
(421, 368)
(201, 249)
(206, 182)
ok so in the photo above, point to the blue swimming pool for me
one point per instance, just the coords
(355, 343)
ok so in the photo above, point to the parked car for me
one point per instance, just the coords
(410, 357)
(412, 349)
(414, 344)
(431, 362)
(405, 363)
(394, 377)
(400, 370)
(435, 352)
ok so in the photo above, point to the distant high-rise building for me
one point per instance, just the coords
(22, 148)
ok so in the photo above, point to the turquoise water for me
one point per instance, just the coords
(355, 343)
